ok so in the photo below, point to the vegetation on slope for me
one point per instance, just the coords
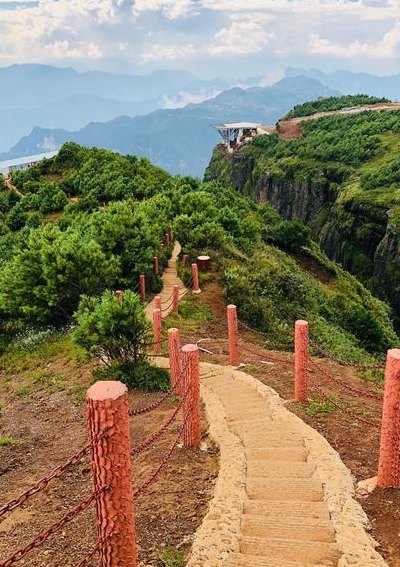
(331, 104)
(269, 266)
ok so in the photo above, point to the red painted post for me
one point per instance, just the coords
(157, 302)
(191, 404)
(195, 276)
(175, 299)
(166, 239)
(157, 330)
(107, 410)
(300, 361)
(185, 260)
(175, 365)
(142, 287)
(155, 265)
(233, 335)
(119, 294)
(389, 454)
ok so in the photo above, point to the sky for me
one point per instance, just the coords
(212, 38)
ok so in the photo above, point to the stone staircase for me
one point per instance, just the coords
(285, 520)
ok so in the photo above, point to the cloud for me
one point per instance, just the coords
(172, 9)
(164, 53)
(387, 47)
(185, 98)
(240, 38)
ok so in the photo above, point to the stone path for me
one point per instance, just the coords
(170, 278)
(283, 497)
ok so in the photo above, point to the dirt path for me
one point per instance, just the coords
(170, 278)
(9, 185)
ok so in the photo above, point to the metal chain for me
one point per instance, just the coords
(43, 482)
(153, 476)
(259, 353)
(263, 333)
(166, 396)
(345, 385)
(56, 527)
(150, 440)
(326, 354)
(167, 308)
(344, 410)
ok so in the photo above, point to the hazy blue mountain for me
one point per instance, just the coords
(181, 140)
(52, 97)
(353, 83)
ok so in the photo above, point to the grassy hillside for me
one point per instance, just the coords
(330, 104)
(113, 212)
(342, 177)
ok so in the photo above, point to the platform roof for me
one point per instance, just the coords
(26, 159)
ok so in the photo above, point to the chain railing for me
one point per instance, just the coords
(357, 365)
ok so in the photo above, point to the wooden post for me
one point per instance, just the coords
(389, 454)
(175, 365)
(142, 287)
(157, 330)
(155, 265)
(301, 361)
(166, 240)
(195, 276)
(185, 260)
(191, 405)
(233, 335)
(175, 299)
(157, 302)
(107, 411)
(119, 294)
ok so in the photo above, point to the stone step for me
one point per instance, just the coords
(241, 560)
(283, 509)
(286, 454)
(288, 489)
(291, 550)
(275, 439)
(303, 529)
(269, 469)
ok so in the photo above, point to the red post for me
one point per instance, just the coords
(300, 361)
(142, 287)
(233, 335)
(119, 294)
(175, 299)
(185, 260)
(157, 302)
(166, 239)
(107, 411)
(191, 405)
(157, 330)
(195, 276)
(389, 454)
(155, 265)
(175, 360)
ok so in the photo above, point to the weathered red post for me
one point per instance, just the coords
(175, 365)
(195, 276)
(191, 405)
(185, 260)
(166, 239)
(109, 430)
(119, 294)
(234, 359)
(142, 287)
(389, 454)
(300, 361)
(157, 302)
(157, 330)
(175, 299)
(155, 265)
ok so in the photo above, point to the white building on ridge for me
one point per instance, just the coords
(17, 164)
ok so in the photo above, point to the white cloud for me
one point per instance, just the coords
(172, 9)
(185, 98)
(160, 53)
(387, 47)
(240, 38)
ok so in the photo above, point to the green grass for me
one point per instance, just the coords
(319, 409)
(172, 557)
(7, 441)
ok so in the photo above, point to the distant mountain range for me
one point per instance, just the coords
(353, 83)
(181, 140)
(52, 97)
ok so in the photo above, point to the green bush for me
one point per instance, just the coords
(115, 330)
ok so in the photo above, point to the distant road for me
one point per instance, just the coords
(291, 129)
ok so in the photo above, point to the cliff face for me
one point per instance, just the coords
(361, 238)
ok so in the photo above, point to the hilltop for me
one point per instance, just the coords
(341, 177)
